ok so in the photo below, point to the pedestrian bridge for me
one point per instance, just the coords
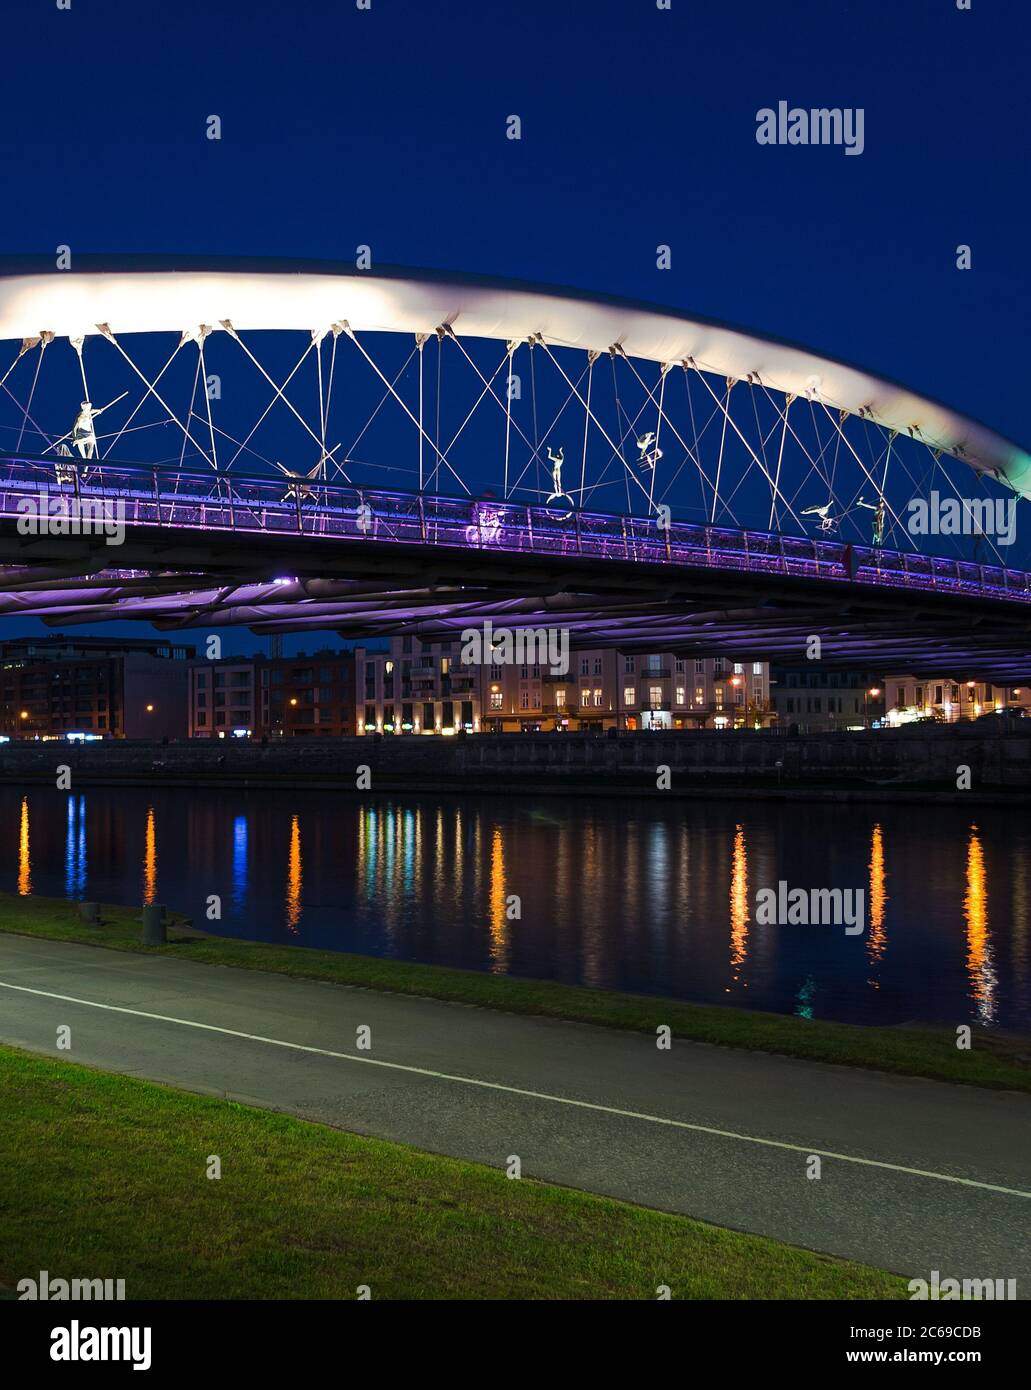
(197, 548)
(484, 450)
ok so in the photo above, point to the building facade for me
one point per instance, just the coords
(818, 701)
(949, 701)
(276, 697)
(53, 687)
(223, 698)
(662, 690)
(416, 688)
(422, 688)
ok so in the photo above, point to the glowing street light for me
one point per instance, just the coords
(869, 695)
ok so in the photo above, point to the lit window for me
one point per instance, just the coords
(585, 697)
(597, 699)
(681, 695)
(629, 695)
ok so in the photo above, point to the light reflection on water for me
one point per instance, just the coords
(613, 894)
(293, 877)
(150, 859)
(739, 906)
(75, 848)
(24, 852)
(983, 983)
(877, 937)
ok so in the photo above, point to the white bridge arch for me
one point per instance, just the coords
(761, 490)
(76, 304)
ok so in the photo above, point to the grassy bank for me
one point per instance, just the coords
(116, 1188)
(993, 1060)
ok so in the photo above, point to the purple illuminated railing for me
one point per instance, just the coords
(196, 500)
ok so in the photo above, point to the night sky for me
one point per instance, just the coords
(387, 127)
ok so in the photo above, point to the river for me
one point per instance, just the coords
(615, 894)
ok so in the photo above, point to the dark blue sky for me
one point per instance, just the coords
(387, 127)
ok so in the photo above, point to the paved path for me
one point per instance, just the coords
(917, 1175)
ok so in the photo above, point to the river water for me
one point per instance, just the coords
(655, 897)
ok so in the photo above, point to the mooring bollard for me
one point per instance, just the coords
(89, 912)
(154, 932)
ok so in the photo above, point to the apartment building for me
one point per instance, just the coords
(307, 696)
(416, 688)
(664, 691)
(814, 700)
(277, 697)
(948, 700)
(97, 687)
(420, 687)
(223, 698)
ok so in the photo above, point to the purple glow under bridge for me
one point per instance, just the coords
(201, 548)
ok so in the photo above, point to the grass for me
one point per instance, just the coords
(116, 1187)
(994, 1060)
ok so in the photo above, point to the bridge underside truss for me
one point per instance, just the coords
(924, 617)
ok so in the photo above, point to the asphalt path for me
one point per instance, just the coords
(916, 1175)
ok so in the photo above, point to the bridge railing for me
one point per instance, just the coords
(209, 501)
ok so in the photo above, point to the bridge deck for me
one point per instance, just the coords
(195, 500)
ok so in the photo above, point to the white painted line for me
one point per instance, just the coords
(519, 1091)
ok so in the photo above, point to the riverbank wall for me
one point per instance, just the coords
(930, 763)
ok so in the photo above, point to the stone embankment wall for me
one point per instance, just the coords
(931, 757)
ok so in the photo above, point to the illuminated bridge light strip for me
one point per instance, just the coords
(203, 501)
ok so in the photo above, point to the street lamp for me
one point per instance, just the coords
(736, 683)
(868, 695)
